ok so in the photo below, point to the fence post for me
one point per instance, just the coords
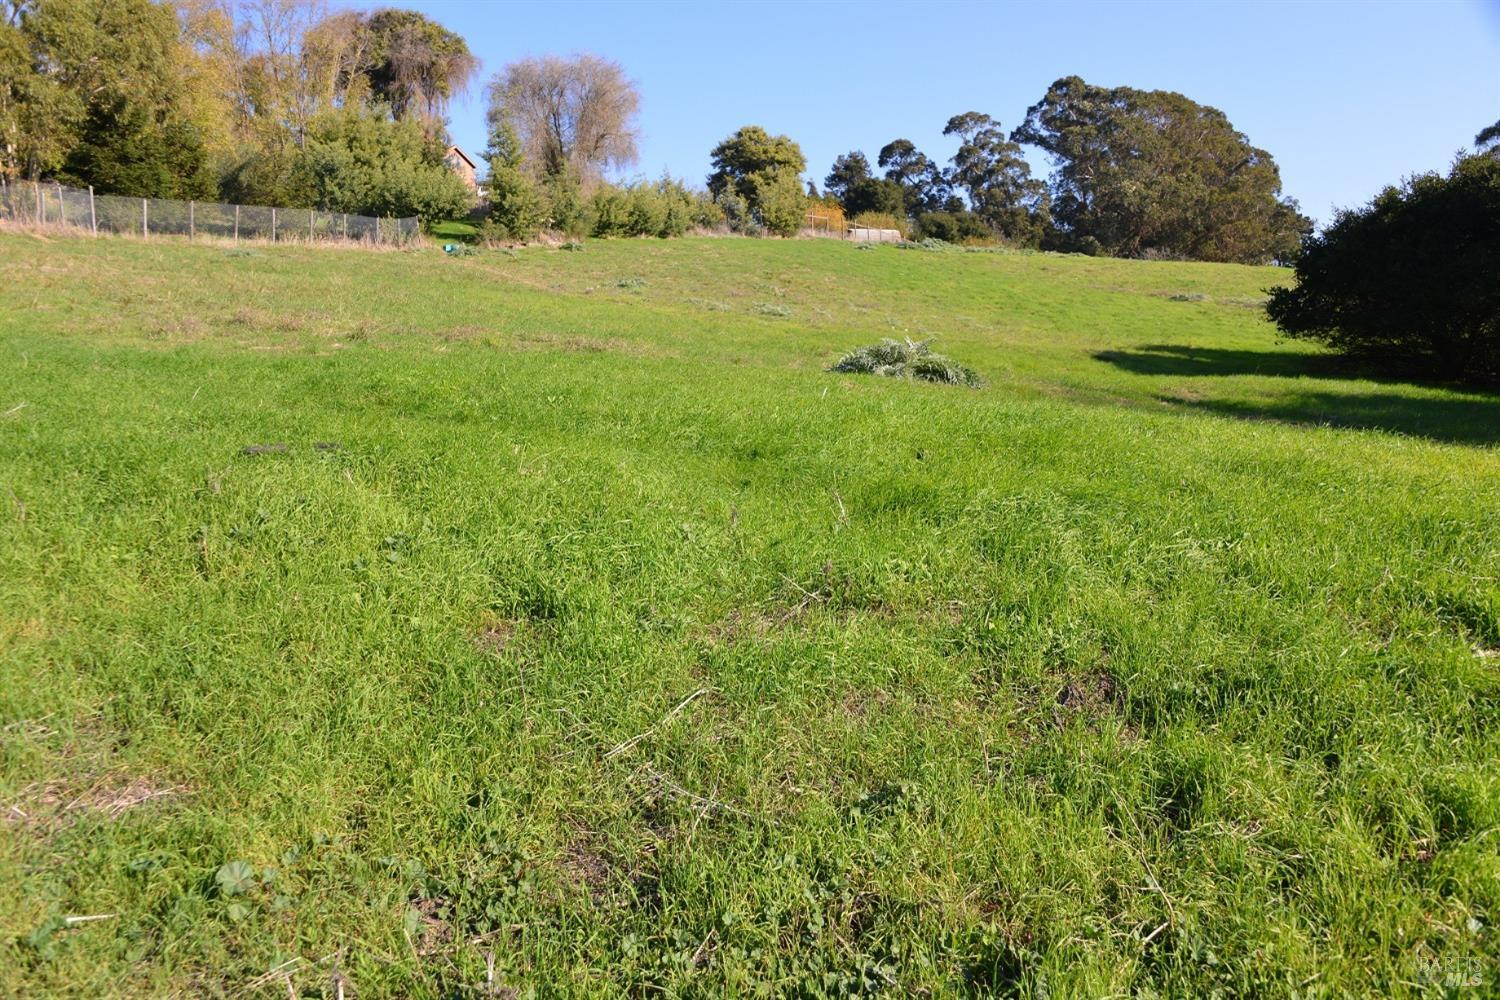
(145, 223)
(273, 225)
(62, 206)
(191, 221)
(345, 227)
(40, 218)
(236, 223)
(93, 219)
(311, 217)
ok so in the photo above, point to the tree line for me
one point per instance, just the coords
(1136, 173)
(271, 102)
(280, 102)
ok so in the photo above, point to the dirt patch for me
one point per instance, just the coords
(1092, 697)
(428, 923)
(61, 802)
(497, 637)
(585, 865)
(857, 703)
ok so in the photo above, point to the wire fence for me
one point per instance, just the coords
(32, 203)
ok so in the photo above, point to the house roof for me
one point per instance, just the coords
(461, 155)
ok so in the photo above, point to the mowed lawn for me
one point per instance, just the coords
(567, 630)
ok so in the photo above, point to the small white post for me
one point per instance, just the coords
(93, 219)
(145, 223)
(345, 228)
(41, 207)
(62, 206)
(191, 221)
(236, 223)
(273, 225)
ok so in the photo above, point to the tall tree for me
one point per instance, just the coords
(919, 177)
(573, 116)
(1488, 139)
(415, 65)
(515, 203)
(765, 171)
(105, 97)
(848, 170)
(997, 179)
(1152, 171)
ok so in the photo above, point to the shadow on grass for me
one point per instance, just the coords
(1468, 418)
(1180, 359)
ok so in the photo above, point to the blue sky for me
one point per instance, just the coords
(1346, 96)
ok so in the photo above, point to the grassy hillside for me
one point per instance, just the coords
(552, 622)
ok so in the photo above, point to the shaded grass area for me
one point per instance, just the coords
(596, 636)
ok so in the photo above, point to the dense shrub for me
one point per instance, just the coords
(664, 208)
(952, 227)
(1411, 281)
(907, 359)
(359, 160)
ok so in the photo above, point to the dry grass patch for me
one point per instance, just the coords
(58, 803)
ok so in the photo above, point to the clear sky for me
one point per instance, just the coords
(1346, 96)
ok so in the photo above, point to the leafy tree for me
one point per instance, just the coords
(997, 179)
(415, 65)
(923, 185)
(848, 170)
(95, 92)
(361, 160)
(764, 171)
(1410, 279)
(515, 204)
(1153, 172)
(575, 115)
(33, 110)
(1488, 139)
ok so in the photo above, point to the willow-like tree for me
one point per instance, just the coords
(415, 65)
(1143, 171)
(573, 116)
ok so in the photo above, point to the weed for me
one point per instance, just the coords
(907, 359)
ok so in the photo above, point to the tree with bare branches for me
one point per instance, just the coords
(574, 115)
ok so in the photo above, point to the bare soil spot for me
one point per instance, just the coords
(1092, 697)
(433, 931)
(498, 636)
(585, 865)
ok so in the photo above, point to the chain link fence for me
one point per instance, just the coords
(32, 203)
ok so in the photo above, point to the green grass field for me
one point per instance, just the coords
(568, 630)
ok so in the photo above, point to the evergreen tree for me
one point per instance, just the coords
(515, 204)
(1154, 172)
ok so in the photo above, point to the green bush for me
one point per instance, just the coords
(952, 227)
(664, 208)
(908, 359)
(359, 160)
(1411, 281)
